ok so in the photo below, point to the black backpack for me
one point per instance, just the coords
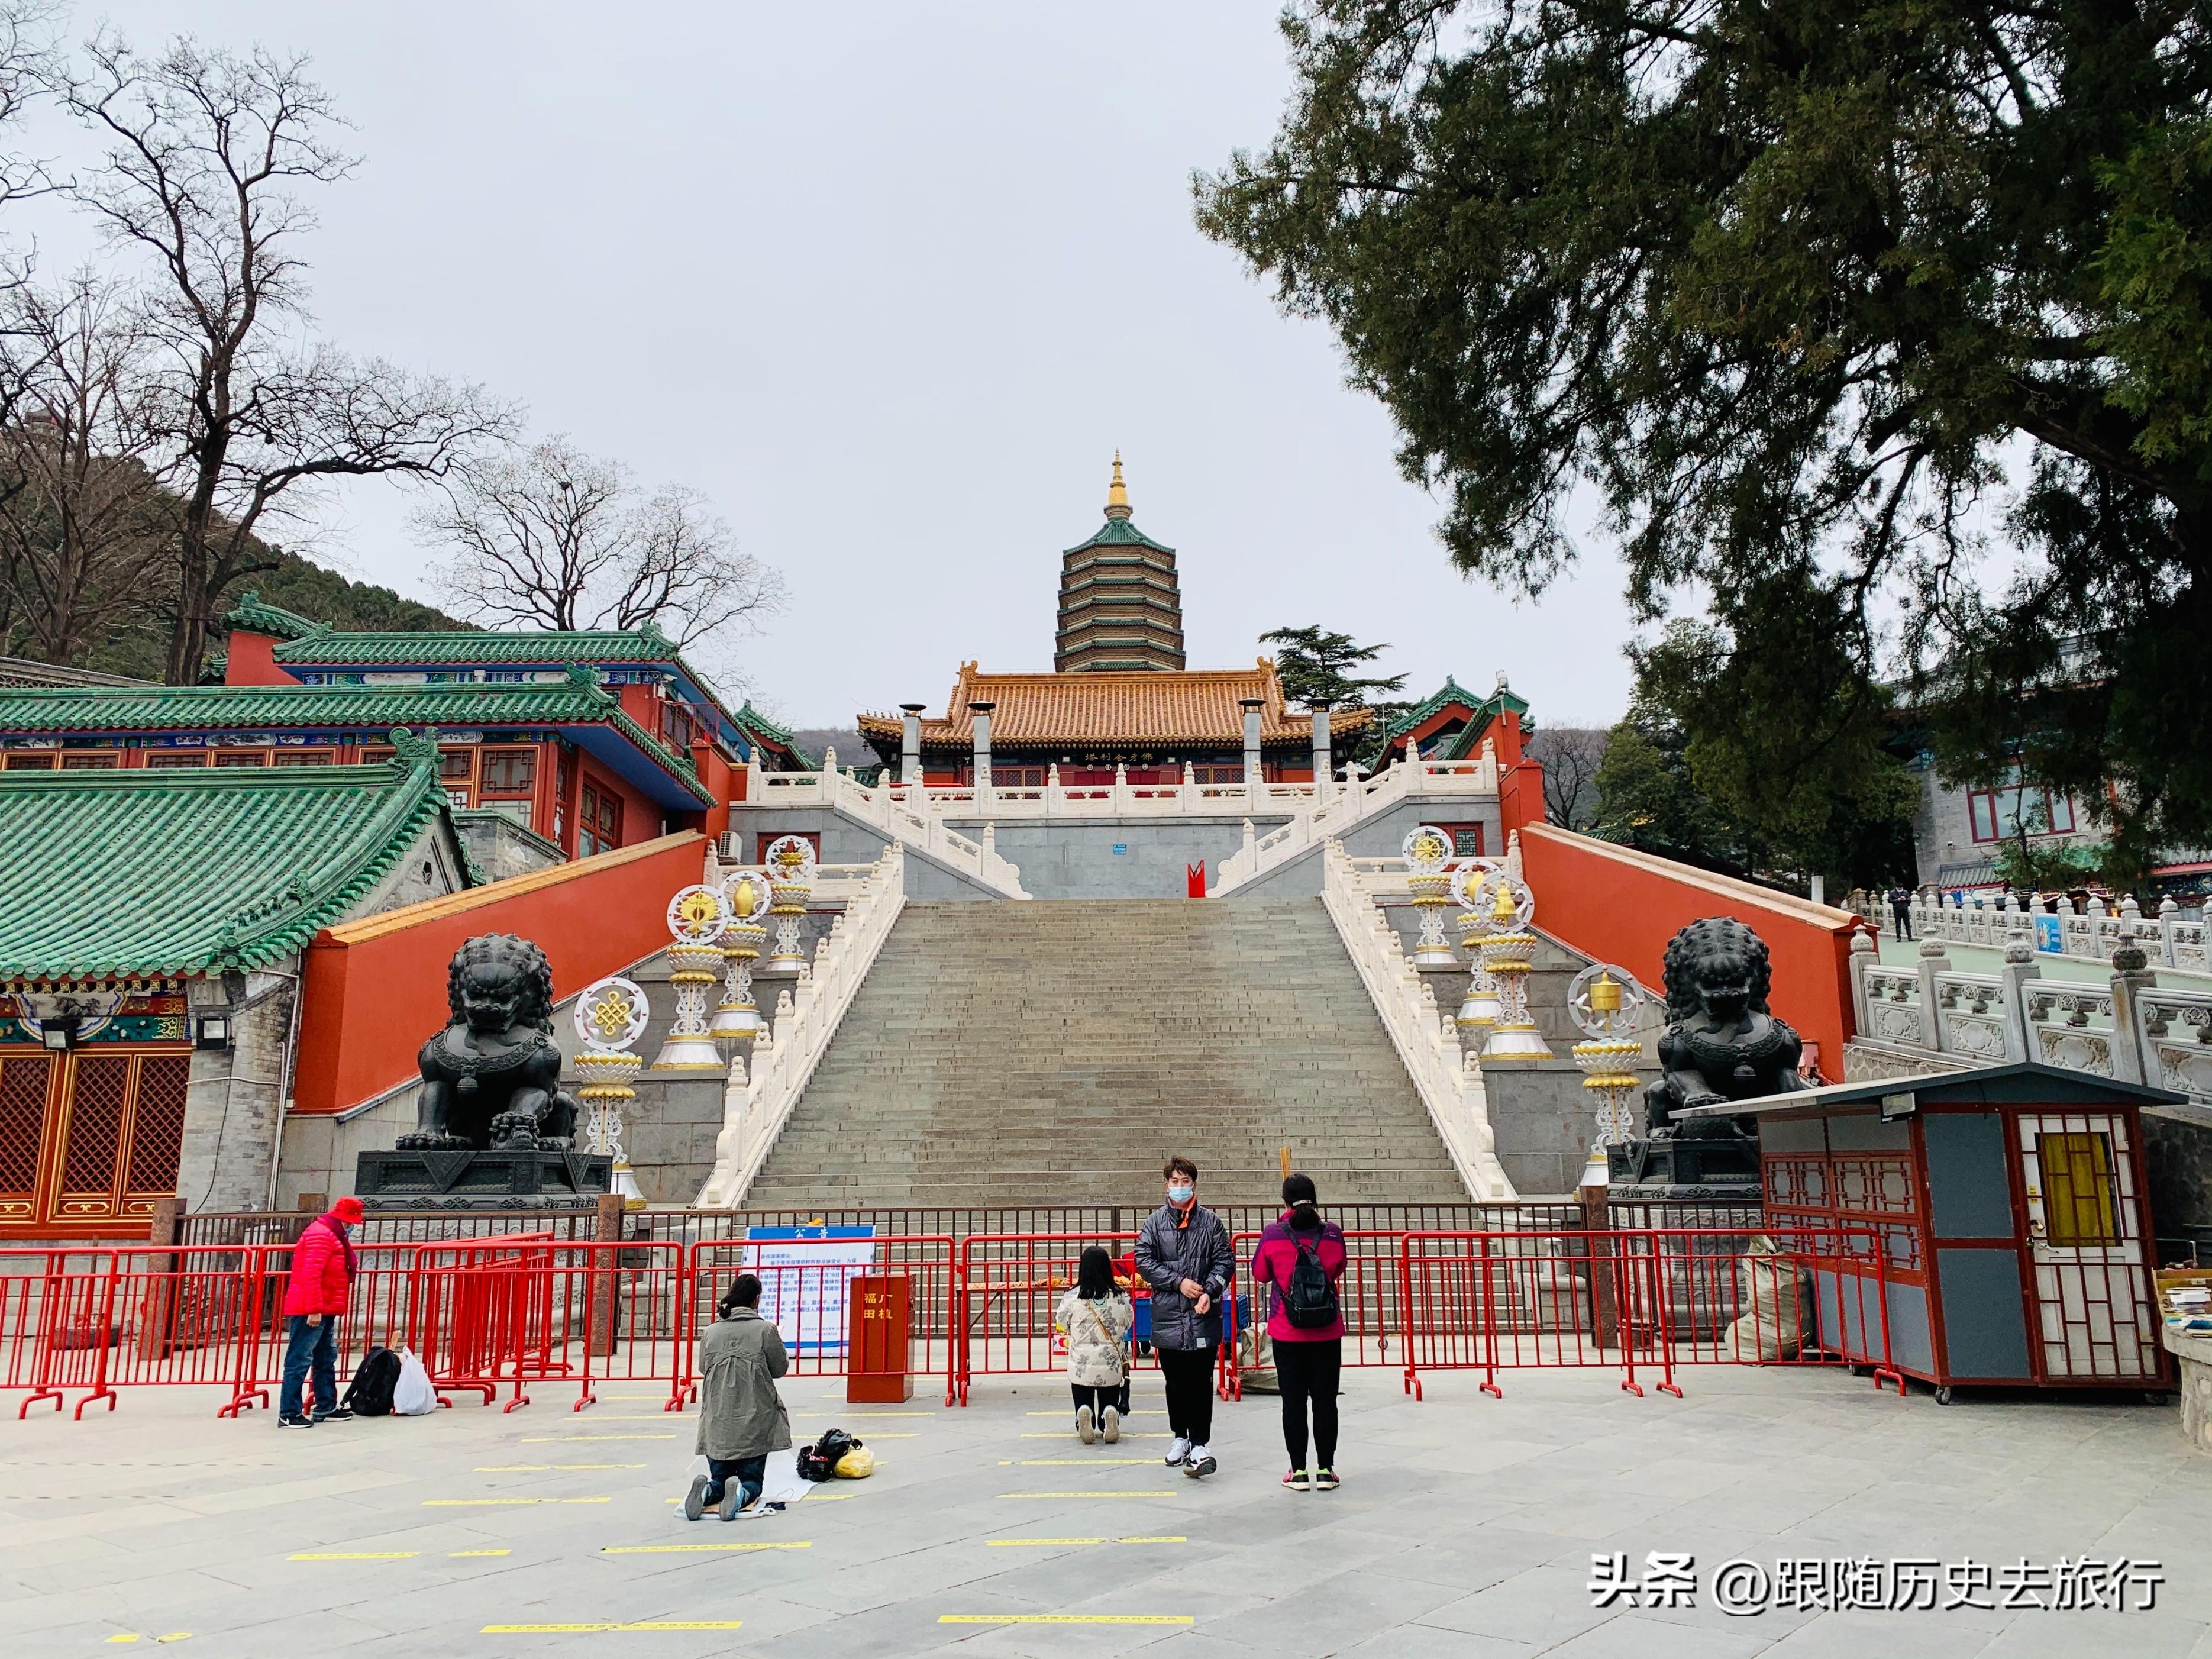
(1309, 1300)
(369, 1394)
(819, 1460)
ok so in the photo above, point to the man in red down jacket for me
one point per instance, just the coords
(323, 1269)
(1307, 1356)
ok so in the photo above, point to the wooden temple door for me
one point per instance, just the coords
(89, 1138)
(2089, 1263)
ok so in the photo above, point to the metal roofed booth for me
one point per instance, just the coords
(2012, 1210)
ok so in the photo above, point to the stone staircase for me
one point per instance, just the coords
(1055, 1053)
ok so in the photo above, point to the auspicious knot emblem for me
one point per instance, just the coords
(791, 857)
(610, 1015)
(1426, 848)
(744, 895)
(696, 915)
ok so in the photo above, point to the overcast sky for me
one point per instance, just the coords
(890, 284)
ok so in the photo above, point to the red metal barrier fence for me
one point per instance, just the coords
(497, 1314)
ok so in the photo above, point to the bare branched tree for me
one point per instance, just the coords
(208, 150)
(551, 536)
(85, 525)
(1570, 756)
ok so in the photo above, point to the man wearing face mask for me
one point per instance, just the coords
(1183, 1252)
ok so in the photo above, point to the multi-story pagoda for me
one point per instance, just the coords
(1121, 610)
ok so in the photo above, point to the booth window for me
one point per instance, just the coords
(2078, 1207)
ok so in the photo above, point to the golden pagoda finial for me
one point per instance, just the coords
(1117, 493)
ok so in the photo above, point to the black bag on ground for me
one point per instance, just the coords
(369, 1394)
(1309, 1300)
(819, 1460)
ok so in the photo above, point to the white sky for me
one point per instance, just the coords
(890, 283)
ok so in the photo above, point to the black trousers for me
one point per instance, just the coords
(1189, 1374)
(1306, 1373)
(1098, 1399)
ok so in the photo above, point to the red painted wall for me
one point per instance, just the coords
(1622, 906)
(375, 989)
(251, 659)
(720, 779)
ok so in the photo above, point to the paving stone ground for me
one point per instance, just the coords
(1465, 1527)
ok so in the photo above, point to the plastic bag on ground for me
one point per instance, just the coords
(412, 1395)
(857, 1464)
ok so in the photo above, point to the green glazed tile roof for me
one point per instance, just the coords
(329, 708)
(113, 874)
(1118, 533)
(252, 614)
(1453, 692)
(647, 644)
(754, 724)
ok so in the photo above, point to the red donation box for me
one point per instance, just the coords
(878, 1368)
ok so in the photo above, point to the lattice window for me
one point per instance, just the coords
(97, 1095)
(22, 1120)
(2077, 1189)
(1874, 1183)
(157, 1123)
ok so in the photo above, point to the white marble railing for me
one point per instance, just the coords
(1053, 799)
(755, 1107)
(2127, 1027)
(888, 810)
(1350, 805)
(1426, 1039)
(2052, 928)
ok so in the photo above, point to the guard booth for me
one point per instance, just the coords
(2011, 1207)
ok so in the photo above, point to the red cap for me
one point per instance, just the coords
(348, 1210)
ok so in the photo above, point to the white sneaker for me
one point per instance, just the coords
(1083, 1425)
(1178, 1452)
(1201, 1463)
(1113, 1429)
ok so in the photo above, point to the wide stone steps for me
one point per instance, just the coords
(1055, 1053)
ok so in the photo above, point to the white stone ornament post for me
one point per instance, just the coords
(790, 861)
(746, 895)
(1511, 907)
(694, 964)
(1426, 850)
(1604, 1001)
(610, 1015)
(1478, 1010)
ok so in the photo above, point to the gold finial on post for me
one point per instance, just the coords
(1117, 493)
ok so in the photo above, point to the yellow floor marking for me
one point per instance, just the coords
(457, 1554)
(132, 1636)
(633, 1417)
(490, 1502)
(579, 1439)
(1064, 1462)
(686, 1549)
(1066, 1619)
(355, 1555)
(1086, 1494)
(1018, 1543)
(540, 1468)
(810, 1415)
(654, 1624)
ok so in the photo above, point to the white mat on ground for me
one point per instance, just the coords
(780, 1481)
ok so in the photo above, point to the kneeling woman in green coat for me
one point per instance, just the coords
(741, 1415)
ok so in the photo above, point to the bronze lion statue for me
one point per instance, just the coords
(1721, 1042)
(492, 1076)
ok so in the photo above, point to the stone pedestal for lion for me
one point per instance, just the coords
(494, 1130)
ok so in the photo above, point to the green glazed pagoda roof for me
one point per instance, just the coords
(251, 614)
(330, 709)
(1117, 532)
(118, 873)
(332, 649)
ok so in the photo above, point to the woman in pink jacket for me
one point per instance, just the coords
(1302, 1257)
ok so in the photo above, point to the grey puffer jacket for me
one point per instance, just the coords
(1168, 1253)
(740, 1410)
